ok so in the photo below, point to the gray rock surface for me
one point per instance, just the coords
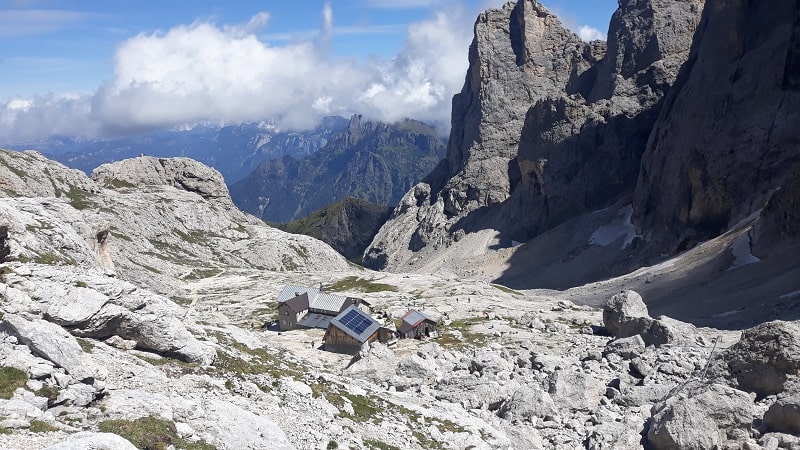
(182, 173)
(54, 344)
(766, 358)
(784, 415)
(93, 441)
(625, 315)
(546, 127)
(729, 117)
(701, 415)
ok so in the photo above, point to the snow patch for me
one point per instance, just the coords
(727, 313)
(742, 256)
(793, 294)
(620, 227)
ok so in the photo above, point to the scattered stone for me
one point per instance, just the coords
(699, 414)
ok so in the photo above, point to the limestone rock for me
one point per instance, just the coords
(546, 128)
(784, 415)
(627, 347)
(625, 315)
(20, 176)
(765, 358)
(53, 343)
(377, 363)
(528, 403)
(622, 309)
(725, 139)
(573, 390)
(182, 173)
(165, 334)
(701, 415)
(93, 441)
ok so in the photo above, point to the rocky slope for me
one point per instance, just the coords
(677, 131)
(94, 355)
(347, 226)
(372, 161)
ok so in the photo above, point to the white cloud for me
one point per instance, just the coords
(226, 74)
(588, 33)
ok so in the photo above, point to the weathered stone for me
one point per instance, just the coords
(165, 334)
(621, 309)
(628, 347)
(93, 441)
(53, 343)
(698, 414)
(528, 404)
(784, 415)
(765, 357)
(182, 173)
(728, 113)
(572, 390)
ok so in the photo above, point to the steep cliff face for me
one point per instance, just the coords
(546, 128)
(727, 136)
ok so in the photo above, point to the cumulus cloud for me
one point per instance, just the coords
(588, 33)
(226, 74)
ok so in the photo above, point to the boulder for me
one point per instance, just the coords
(93, 441)
(765, 358)
(182, 173)
(167, 335)
(625, 315)
(699, 414)
(577, 391)
(54, 344)
(527, 404)
(627, 347)
(784, 415)
(232, 427)
(621, 310)
(376, 363)
(73, 305)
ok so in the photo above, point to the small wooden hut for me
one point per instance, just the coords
(351, 329)
(417, 325)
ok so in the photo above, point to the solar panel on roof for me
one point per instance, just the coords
(356, 322)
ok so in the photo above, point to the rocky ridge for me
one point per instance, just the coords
(546, 128)
(669, 147)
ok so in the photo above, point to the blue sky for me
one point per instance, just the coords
(88, 67)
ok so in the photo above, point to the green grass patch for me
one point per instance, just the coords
(467, 336)
(124, 237)
(151, 433)
(354, 283)
(86, 345)
(200, 273)
(505, 289)
(49, 392)
(289, 264)
(115, 183)
(38, 426)
(11, 378)
(378, 445)
(78, 198)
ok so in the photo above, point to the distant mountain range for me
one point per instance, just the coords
(234, 150)
(372, 161)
